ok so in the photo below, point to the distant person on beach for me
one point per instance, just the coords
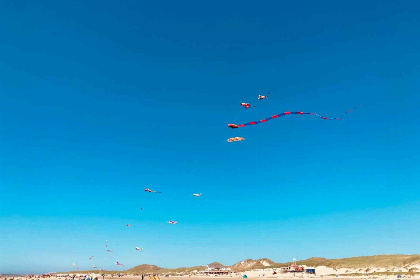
(142, 277)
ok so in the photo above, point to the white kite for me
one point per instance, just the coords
(197, 194)
(139, 248)
(172, 222)
(151, 191)
(263, 96)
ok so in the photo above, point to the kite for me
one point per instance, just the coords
(74, 264)
(117, 263)
(90, 258)
(231, 125)
(128, 225)
(109, 251)
(197, 194)
(139, 248)
(93, 266)
(263, 96)
(235, 139)
(172, 222)
(246, 105)
(151, 191)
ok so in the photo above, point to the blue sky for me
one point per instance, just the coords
(101, 99)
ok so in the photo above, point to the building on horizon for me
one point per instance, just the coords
(216, 269)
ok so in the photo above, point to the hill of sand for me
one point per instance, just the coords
(372, 264)
(252, 264)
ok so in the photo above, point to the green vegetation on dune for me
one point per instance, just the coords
(146, 268)
(188, 269)
(358, 262)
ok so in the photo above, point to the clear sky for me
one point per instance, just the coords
(101, 99)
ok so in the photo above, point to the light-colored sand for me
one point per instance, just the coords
(237, 277)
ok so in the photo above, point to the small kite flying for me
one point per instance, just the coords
(117, 263)
(197, 194)
(235, 139)
(172, 222)
(151, 191)
(93, 266)
(139, 248)
(263, 96)
(231, 125)
(246, 105)
(109, 251)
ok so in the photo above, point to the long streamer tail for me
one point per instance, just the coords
(288, 113)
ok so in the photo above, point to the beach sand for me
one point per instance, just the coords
(283, 277)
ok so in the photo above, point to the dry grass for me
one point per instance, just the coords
(358, 262)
